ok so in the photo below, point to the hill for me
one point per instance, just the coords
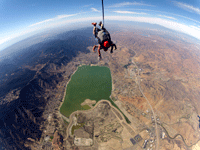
(164, 66)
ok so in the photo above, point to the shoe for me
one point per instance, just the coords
(111, 51)
(94, 23)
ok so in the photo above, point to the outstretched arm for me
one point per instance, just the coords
(94, 48)
(114, 46)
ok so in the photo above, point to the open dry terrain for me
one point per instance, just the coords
(163, 112)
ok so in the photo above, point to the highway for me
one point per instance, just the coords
(154, 114)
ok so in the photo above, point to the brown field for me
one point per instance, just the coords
(169, 77)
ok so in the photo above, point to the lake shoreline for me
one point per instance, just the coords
(91, 65)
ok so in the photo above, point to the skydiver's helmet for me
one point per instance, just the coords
(106, 44)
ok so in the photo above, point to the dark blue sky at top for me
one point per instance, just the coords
(18, 15)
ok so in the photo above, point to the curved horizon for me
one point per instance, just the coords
(183, 17)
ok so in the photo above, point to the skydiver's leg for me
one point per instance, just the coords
(99, 47)
(95, 31)
(101, 25)
(99, 41)
(104, 29)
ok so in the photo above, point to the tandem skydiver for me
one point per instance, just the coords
(104, 39)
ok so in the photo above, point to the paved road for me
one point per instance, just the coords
(138, 82)
(119, 118)
(154, 115)
(65, 118)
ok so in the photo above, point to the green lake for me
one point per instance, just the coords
(88, 82)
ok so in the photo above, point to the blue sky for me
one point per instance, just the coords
(20, 18)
